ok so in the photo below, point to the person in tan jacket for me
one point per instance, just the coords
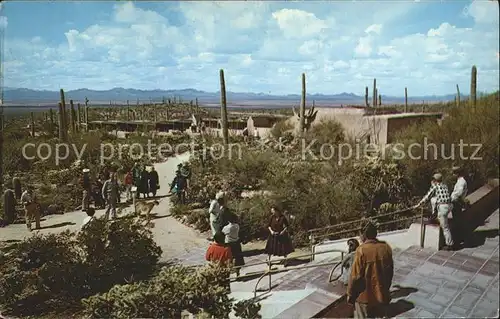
(371, 277)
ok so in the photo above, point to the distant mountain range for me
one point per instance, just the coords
(22, 96)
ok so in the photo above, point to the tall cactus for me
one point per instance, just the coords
(16, 183)
(473, 86)
(366, 97)
(223, 108)
(379, 100)
(72, 117)
(302, 110)
(86, 114)
(374, 100)
(458, 96)
(62, 136)
(305, 120)
(78, 117)
(406, 100)
(9, 206)
(64, 122)
(32, 124)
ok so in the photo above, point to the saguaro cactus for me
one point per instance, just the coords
(78, 116)
(458, 96)
(302, 110)
(86, 114)
(374, 100)
(473, 86)
(62, 136)
(379, 100)
(366, 97)
(305, 120)
(406, 100)
(32, 124)
(9, 206)
(16, 183)
(223, 108)
(64, 122)
(72, 117)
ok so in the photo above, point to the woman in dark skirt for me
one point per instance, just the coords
(279, 242)
(231, 230)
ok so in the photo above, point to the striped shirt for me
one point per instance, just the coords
(440, 191)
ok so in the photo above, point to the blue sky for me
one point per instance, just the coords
(427, 46)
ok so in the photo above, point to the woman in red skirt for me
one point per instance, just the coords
(279, 242)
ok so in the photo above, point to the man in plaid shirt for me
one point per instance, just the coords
(443, 203)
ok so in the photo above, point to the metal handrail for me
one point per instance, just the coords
(270, 271)
(313, 237)
(360, 219)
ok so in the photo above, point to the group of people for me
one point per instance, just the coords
(226, 246)
(180, 183)
(369, 267)
(442, 203)
(146, 182)
(107, 194)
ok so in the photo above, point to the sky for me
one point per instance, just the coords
(263, 47)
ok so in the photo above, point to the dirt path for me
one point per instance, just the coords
(175, 238)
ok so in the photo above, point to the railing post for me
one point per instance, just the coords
(422, 228)
(269, 271)
(342, 259)
(311, 239)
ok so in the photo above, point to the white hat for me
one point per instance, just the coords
(437, 177)
(219, 195)
(86, 170)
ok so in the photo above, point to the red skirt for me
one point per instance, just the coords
(279, 245)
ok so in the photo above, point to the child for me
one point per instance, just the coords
(231, 230)
(352, 245)
(218, 252)
(90, 216)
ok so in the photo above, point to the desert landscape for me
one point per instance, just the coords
(327, 161)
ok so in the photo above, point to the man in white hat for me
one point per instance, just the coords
(443, 204)
(87, 188)
(458, 201)
(215, 212)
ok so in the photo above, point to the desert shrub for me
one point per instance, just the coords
(53, 272)
(168, 295)
(280, 128)
(327, 134)
(466, 125)
(231, 174)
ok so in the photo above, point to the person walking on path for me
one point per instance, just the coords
(136, 177)
(144, 183)
(179, 185)
(443, 204)
(86, 184)
(215, 212)
(128, 182)
(279, 242)
(231, 231)
(371, 276)
(153, 181)
(31, 207)
(458, 204)
(110, 192)
(348, 260)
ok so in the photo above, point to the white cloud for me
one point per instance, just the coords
(364, 47)
(299, 24)
(374, 28)
(263, 47)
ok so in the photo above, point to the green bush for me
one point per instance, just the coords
(172, 292)
(53, 272)
(472, 126)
